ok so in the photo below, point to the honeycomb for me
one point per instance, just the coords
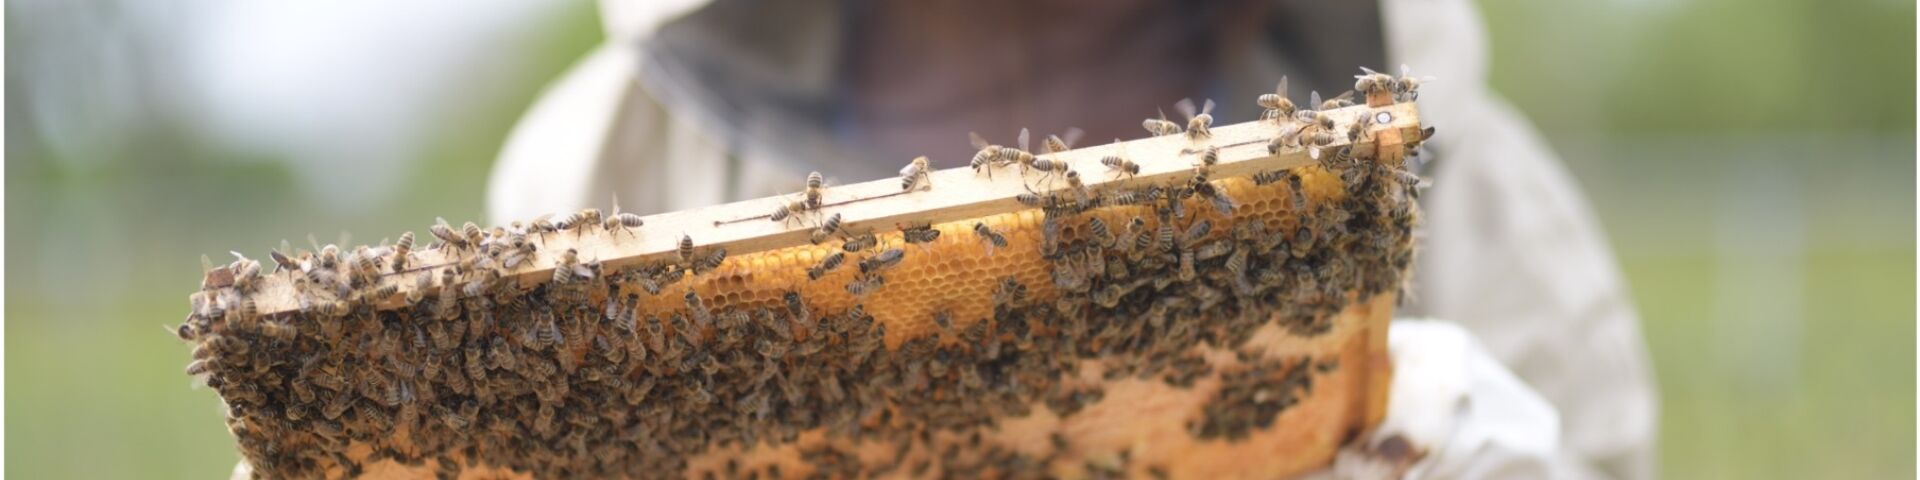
(1243, 336)
(954, 273)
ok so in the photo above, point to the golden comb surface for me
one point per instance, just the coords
(1245, 335)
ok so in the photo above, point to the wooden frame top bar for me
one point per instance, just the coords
(956, 194)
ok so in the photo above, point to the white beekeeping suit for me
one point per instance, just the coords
(1542, 371)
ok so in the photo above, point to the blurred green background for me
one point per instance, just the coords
(1752, 161)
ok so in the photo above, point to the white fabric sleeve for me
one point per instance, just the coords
(554, 150)
(1513, 253)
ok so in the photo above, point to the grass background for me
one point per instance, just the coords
(1752, 161)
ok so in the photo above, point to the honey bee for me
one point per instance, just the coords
(1207, 189)
(1100, 232)
(1078, 188)
(1237, 264)
(1050, 237)
(444, 232)
(686, 249)
(860, 243)
(917, 173)
(1142, 196)
(1018, 156)
(282, 262)
(624, 220)
(865, 284)
(1317, 140)
(240, 312)
(1031, 199)
(795, 305)
(1313, 118)
(712, 261)
(1009, 291)
(1278, 106)
(542, 224)
(832, 261)
(246, 273)
(1142, 240)
(1196, 232)
(816, 188)
(1212, 250)
(1289, 136)
(1160, 126)
(1340, 101)
(1407, 87)
(1058, 143)
(1119, 164)
(920, 234)
(826, 229)
(379, 292)
(543, 419)
(882, 260)
(1051, 167)
(790, 209)
(993, 239)
(581, 220)
(186, 331)
(366, 265)
(1165, 236)
(987, 155)
(1370, 81)
(199, 367)
(1269, 177)
(1297, 191)
(1209, 157)
(1199, 122)
(697, 308)
(421, 284)
(546, 333)
(564, 268)
(401, 252)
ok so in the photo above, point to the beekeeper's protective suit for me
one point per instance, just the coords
(690, 104)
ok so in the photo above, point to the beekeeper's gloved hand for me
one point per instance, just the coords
(1453, 412)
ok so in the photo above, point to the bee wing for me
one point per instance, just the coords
(206, 264)
(315, 241)
(1366, 72)
(1314, 99)
(1344, 95)
(1185, 107)
(1282, 88)
(1073, 135)
(1292, 129)
(977, 141)
(1024, 138)
(1207, 108)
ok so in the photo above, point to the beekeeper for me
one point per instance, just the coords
(1537, 370)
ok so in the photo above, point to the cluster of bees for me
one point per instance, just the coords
(585, 375)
